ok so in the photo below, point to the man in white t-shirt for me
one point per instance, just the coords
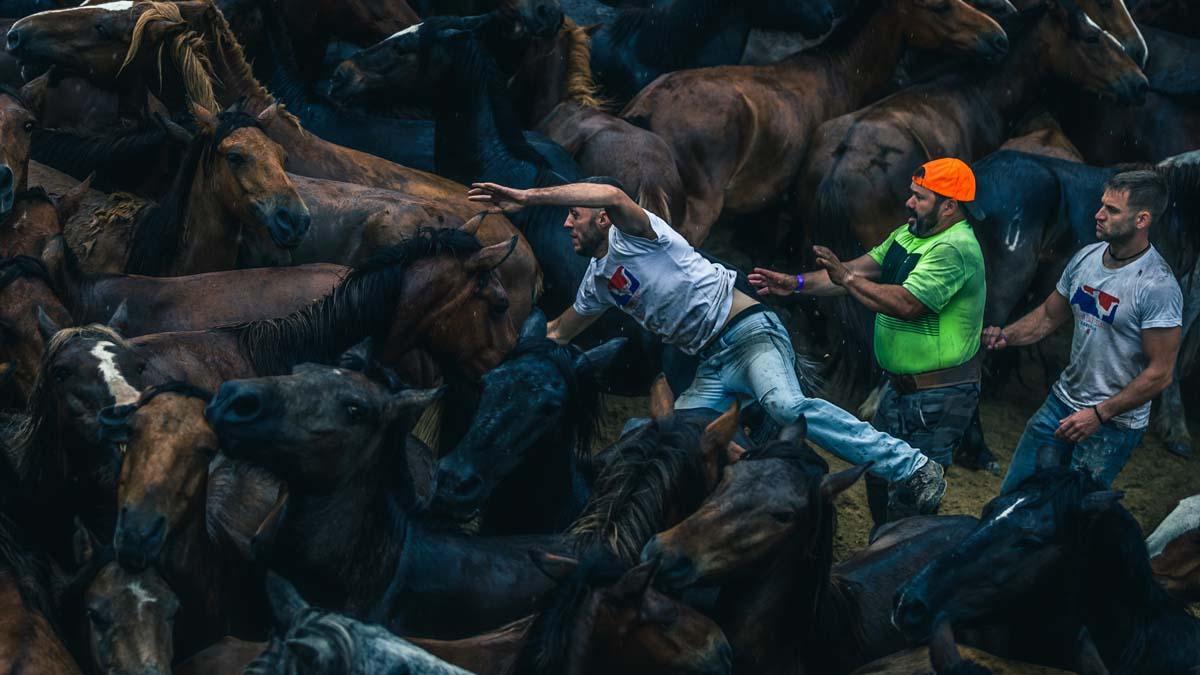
(1128, 310)
(647, 270)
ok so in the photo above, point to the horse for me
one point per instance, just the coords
(944, 657)
(1177, 15)
(17, 124)
(1061, 541)
(127, 616)
(644, 43)
(1166, 124)
(28, 616)
(740, 133)
(1177, 567)
(541, 18)
(1184, 517)
(1041, 134)
(524, 468)
(603, 617)
(229, 192)
(1050, 216)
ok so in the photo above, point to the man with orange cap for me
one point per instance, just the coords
(926, 285)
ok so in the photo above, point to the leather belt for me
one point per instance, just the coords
(961, 374)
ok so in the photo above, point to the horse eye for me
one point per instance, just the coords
(141, 368)
(235, 158)
(97, 619)
(101, 31)
(29, 127)
(354, 411)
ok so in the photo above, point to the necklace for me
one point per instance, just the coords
(1114, 257)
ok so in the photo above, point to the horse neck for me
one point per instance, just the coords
(866, 61)
(1012, 88)
(546, 491)
(478, 134)
(206, 244)
(687, 25)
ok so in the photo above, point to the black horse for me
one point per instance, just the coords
(643, 43)
(1041, 208)
(1060, 544)
(524, 462)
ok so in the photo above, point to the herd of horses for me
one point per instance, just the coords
(279, 400)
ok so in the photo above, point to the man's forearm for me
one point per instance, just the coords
(588, 195)
(1030, 328)
(1148, 384)
(818, 284)
(890, 299)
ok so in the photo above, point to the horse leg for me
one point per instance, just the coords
(1171, 424)
(703, 209)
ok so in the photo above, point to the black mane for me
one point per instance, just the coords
(159, 232)
(23, 266)
(119, 160)
(362, 305)
(29, 572)
(585, 399)
(1182, 216)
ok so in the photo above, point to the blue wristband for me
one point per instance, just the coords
(799, 283)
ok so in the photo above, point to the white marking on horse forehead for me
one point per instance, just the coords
(118, 386)
(142, 596)
(123, 6)
(1008, 511)
(411, 29)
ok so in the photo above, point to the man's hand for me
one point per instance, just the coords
(838, 272)
(497, 198)
(770, 282)
(993, 338)
(1077, 426)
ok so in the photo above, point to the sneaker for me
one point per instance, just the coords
(919, 494)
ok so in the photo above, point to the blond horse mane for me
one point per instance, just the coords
(186, 47)
(581, 87)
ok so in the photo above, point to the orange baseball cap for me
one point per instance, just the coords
(949, 177)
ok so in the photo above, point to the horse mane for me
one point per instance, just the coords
(629, 499)
(35, 440)
(160, 230)
(29, 572)
(548, 642)
(362, 305)
(581, 85)
(79, 153)
(187, 50)
(21, 267)
(585, 399)
(1182, 216)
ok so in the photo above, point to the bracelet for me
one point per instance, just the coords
(1100, 417)
(799, 283)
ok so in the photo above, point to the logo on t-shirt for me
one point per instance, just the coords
(1096, 302)
(623, 285)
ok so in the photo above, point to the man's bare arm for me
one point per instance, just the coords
(569, 324)
(1161, 347)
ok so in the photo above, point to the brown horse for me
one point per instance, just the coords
(161, 515)
(17, 123)
(1042, 135)
(128, 615)
(859, 166)
(229, 193)
(1177, 568)
(36, 219)
(29, 642)
(740, 133)
(204, 63)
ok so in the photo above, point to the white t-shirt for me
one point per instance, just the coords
(1111, 308)
(663, 283)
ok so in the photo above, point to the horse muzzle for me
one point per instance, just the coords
(347, 82)
(675, 571)
(139, 538)
(7, 191)
(240, 411)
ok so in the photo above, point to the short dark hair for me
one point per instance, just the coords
(1146, 189)
(606, 180)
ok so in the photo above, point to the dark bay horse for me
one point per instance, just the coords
(1059, 546)
(740, 133)
(528, 473)
(31, 640)
(643, 43)
(1177, 568)
(1041, 210)
(17, 123)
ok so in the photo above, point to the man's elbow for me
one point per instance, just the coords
(1162, 378)
(913, 311)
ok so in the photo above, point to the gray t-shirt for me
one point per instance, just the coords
(1111, 308)
(663, 283)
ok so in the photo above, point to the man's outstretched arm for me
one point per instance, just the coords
(626, 215)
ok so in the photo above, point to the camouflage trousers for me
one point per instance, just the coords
(931, 420)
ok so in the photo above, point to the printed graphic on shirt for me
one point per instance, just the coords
(1096, 302)
(623, 285)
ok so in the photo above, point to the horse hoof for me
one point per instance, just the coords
(1180, 449)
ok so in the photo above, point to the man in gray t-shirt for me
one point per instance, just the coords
(1128, 310)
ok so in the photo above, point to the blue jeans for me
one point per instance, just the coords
(1103, 453)
(754, 360)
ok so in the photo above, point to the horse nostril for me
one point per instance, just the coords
(468, 487)
(14, 39)
(245, 407)
(6, 178)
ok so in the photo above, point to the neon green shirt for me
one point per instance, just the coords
(945, 273)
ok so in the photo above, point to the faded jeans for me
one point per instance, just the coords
(754, 360)
(1105, 452)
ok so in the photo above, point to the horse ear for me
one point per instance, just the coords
(314, 654)
(716, 439)
(534, 327)
(1047, 458)
(471, 227)
(633, 583)
(119, 321)
(662, 399)
(68, 205)
(557, 567)
(46, 325)
(268, 115)
(85, 545)
(174, 130)
(204, 118)
(490, 257)
(835, 484)
(1096, 502)
(795, 432)
(34, 93)
(358, 358)
(417, 400)
(286, 601)
(598, 358)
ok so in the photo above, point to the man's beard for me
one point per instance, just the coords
(1118, 238)
(920, 226)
